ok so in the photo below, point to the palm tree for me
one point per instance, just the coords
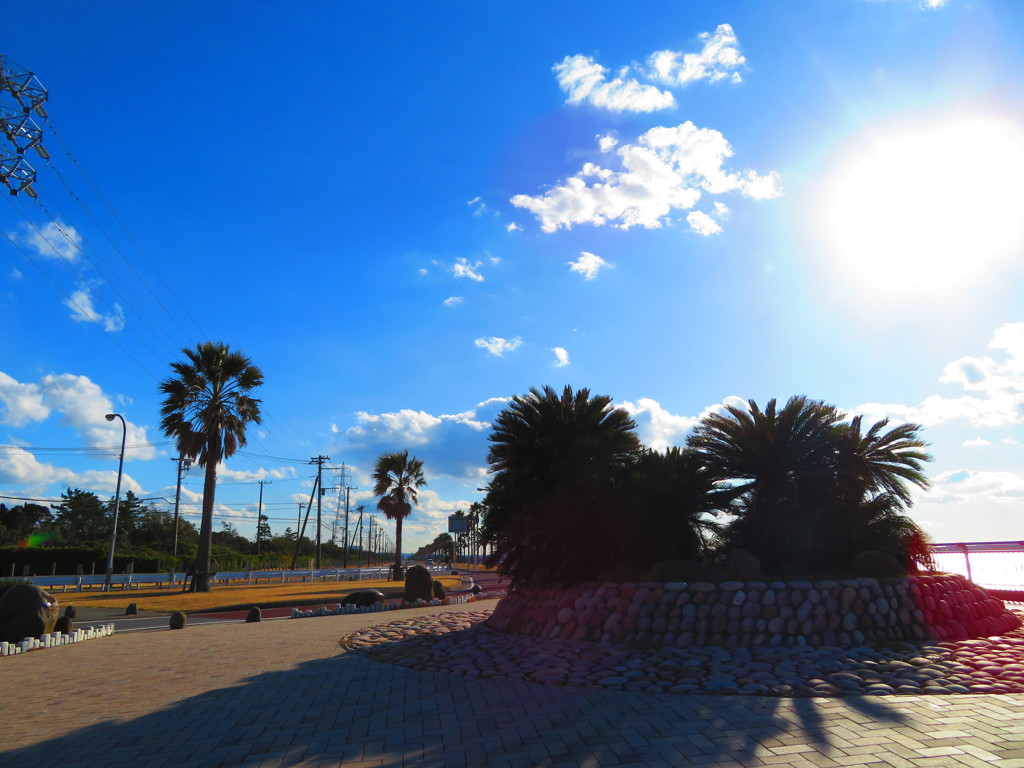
(774, 461)
(673, 497)
(874, 472)
(555, 459)
(397, 478)
(207, 407)
(810, 490)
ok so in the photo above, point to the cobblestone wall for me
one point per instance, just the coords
(733, 613)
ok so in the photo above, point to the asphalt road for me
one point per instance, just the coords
(148, 620)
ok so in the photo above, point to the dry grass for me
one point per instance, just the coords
(234, 596)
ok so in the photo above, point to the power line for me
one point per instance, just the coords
(127, 232)
(81, 310)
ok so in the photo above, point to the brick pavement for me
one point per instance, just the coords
(282, 693)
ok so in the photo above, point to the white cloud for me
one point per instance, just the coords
(55, 240)
(703, 224)
(659, 429)
(977, 442)
(478, 206)
(254, 475)
(83, 407)
(588, 265)
(927, 5)
(586, 81)
(607, 143)
(999, 384)
(414, 427)
(22, 402)
(561, 357)
(334, 429)
(975, 487)
(498, 346)
(669, 168)
(453, 301)
(462, 268)
(14, 274)
(513, 227)
(449, 444)
(719, 59)
(82, 311)
(21, 468)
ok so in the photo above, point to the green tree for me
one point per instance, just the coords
(130, 513)
(673, 500)
(875, 471)
(443, 545)
(19, 522)
(207, 407)
(397, 479)
(806, 487)
(557, 459)
(81, 519)
(263, 532)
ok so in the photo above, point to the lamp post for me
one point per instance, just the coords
(117, 498)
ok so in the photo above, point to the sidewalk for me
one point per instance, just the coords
(282, 693)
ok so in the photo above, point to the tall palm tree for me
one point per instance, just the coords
(555, 459)
(207, 406)
(397, 479)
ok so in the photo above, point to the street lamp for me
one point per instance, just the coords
(117, 498)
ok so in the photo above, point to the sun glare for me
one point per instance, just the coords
(930, 209)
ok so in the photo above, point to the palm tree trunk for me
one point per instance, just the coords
(399, 574)
(201, 580)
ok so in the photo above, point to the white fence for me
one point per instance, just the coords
(993, 564)
(171, 580)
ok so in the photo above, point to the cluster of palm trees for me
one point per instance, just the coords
(574, 496)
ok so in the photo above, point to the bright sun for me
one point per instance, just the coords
(929, 208)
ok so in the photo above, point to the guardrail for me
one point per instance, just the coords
(177, 579)
(991, 564)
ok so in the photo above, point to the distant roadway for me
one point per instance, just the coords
(486, 580)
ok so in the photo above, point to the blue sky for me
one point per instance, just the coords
(406, 215)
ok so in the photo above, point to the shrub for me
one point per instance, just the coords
(418, 584)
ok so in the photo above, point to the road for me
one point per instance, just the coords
(147, 620)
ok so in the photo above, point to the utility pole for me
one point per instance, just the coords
(183, 465)
(302, 523)
(369, 540)
(359, 527)
(259, 514)
(319, 461)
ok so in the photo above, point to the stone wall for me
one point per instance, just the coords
(733, 613)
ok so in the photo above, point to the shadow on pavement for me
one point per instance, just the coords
(349, 709)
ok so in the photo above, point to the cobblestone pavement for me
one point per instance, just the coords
(283, 693)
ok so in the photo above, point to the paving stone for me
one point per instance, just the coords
(283, 693)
